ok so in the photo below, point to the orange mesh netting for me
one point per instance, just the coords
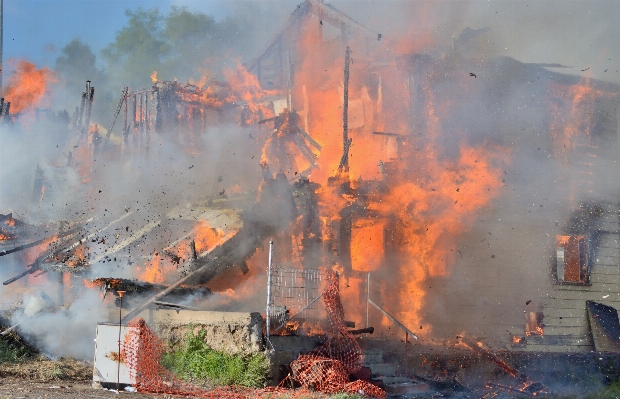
(325, 370)
(142, 351)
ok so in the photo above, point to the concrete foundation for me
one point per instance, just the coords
(230, 332)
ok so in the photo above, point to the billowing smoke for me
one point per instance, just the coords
(473, 97)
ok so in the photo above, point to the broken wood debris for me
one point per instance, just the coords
(528, 386)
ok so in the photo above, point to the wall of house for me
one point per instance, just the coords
(566, 323)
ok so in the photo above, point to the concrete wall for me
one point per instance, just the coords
(231, 332)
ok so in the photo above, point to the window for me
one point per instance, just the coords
(572, 260)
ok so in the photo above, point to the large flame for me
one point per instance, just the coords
(163, 264)
(27, 85)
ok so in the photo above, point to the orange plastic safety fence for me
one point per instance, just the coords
(327, 368)
(142, 352)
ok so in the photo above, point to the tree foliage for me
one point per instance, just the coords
(139, 47)
(77, 64)
(181, 45)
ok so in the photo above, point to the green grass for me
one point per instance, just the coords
(609, 392)
(12, 351)
(198, 362)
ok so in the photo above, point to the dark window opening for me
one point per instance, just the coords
(572, 260)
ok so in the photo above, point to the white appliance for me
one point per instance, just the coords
(108, 370)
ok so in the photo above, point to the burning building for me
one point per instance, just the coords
(453, 193)
(436, 151)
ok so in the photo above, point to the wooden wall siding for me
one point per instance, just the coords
(565, 317)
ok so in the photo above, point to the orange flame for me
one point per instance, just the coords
(163, 265)
(572, 111)
(27, 85)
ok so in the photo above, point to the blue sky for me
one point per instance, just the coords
(581, 34)
(37, 30)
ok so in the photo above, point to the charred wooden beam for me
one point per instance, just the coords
(164, 292)
(6, 111)
(530, 390)
(80, 117)
(90, 96)
(37, 242)
(305, 150)
(367, 330)
(174, 305)
(244, 267)
(346, 141)
(36, 265)
(486, 353)
(312, 141)
(134, 109)
(382, 169)
(262, 121)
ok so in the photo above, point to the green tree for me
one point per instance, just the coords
(77, 64)
(200, 44)
(183, 44)
(190, 36)
(139, 48)
(74, 66)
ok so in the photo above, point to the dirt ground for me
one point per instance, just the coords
(63, 378)
(15, 388)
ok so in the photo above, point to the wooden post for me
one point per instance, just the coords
(346, 141)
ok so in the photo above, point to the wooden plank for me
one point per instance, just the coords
(606, 270)
(559, 348)
(550, 312)
(562, 321)
(605, 260)
(585, 295)
(612, 252)
(560, 339)
(609, 206)
(605, 278)
(568, 330)
(609, 241)
(516, 330)
(610, 227)
(594, 287)
(564, 304)
(608, 217)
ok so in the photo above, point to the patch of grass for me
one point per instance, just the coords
(12, 351)
(43, 369)
(198, 362)
(609, 392)
(53, 373)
